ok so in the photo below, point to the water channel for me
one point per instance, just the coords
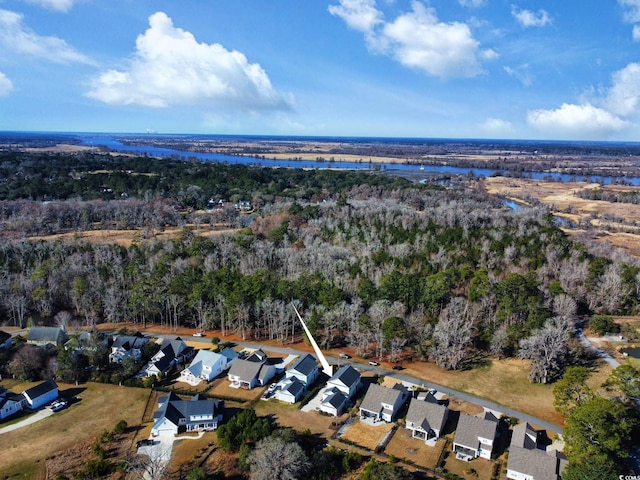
(111, 142)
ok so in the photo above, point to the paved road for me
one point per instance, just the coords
(600, 353)
(409, 379)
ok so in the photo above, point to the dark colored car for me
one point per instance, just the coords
(144, 443)
(398, 367)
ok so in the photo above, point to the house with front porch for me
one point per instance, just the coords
(207, 365)
(382, 404)
(249, 374)
(475, 436)
(172, 352)
(426, 419)
(175, 415)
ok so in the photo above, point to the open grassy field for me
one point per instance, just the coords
(564, 199)
(24, 452)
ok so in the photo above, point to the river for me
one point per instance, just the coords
(111, 142)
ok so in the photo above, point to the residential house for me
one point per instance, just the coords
(333, 401)
(305, 369)
(475, 436)
(528, 460)
(346, 380)
(172, 352)
(426, 419)
(5, 340)
(124, 346)
(10, 403)
(291, 390)
(207, 365)
(382, 403)
(340, 389)
(42, 336)
(41, 394)
(175, 415)
(297, 379)
(245, 373)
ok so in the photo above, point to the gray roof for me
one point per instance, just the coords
(470, 428)
(377, 395)
(524, 436)
(45, 334)
(532, 462)
(257, 356)
(129, 341)
(245, 369)
(172, 348)
(347, 375)
(305, 365)
(430, 416)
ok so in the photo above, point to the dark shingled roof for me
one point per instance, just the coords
(174, 408)
(305, 365)
(41, 389)
(45, 334)
(4, 336)
(347, 375)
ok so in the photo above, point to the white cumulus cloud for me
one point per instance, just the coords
(623, 97)
(575, 121)
(417, 39)
(59, 5)
(5, 85)
(170, 67)
(635, 33)
(361, 15)
(528, 18)
(16, 38)
(631, 9)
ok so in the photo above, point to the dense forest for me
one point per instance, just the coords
(377, 262)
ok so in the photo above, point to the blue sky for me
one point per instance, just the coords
(524, 69)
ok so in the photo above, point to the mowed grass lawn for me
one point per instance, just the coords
(23, 451)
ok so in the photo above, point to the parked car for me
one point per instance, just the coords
(144, 443)
(373, 364)
(344, 355)
(58, 405)
(198, 334)
(398, 367)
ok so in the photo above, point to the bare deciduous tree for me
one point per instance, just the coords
(274, 457)
(452, 335)
(547, 349)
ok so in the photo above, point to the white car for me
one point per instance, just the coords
(198, 334)
(343, 355)
(58, 405)
(373, 364)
